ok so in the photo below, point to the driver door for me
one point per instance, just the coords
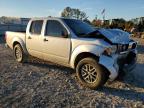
(56, 45)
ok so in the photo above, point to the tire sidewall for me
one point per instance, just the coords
(100, 73)
(20, 49)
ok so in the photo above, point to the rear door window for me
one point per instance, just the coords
(36, 27)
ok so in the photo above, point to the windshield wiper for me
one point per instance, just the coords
(86, 34)
(82, 34)
(91, 32)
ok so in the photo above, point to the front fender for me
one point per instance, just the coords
(93, 49)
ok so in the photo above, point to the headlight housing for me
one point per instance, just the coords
(111, 50)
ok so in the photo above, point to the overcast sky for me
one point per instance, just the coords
(41, 8)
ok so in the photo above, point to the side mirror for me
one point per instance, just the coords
(64, 34)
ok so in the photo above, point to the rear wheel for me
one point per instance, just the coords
(19, 54)
(90, 73)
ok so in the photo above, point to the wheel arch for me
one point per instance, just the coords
(84, 55)
(15, 43)
(85, 51)
(21, 43)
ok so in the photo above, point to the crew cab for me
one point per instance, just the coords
(97, 55)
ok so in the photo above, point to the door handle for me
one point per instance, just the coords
(29, 37)
(45, 39)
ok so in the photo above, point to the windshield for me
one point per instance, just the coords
(78, 27)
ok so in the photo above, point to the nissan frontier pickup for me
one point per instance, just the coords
(97, 55)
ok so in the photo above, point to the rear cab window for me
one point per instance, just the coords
(36, 27)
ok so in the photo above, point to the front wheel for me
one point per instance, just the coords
(19, 54)
(90, 73)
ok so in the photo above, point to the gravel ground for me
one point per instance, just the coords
(39, 84)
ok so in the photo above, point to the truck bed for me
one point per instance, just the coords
(11, 36)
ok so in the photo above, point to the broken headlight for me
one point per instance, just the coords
(111, 50)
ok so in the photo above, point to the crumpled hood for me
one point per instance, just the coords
(116, 36)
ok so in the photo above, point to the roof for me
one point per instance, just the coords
(45, 18)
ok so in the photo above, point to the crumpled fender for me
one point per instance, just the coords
(108, 63)
(93, 49)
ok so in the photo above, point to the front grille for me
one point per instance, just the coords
(126, 47)
(122, 48)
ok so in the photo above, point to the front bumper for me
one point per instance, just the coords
(119, 62)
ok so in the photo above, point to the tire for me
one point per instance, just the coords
(90, 74)
(19, 54)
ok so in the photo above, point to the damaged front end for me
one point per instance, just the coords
(123, 60)
(118, 63)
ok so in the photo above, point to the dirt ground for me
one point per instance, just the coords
(38, 84)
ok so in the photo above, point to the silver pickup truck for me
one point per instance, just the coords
(97, 55)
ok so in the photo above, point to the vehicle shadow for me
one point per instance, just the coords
(140, 49)
(49, 65)
(123, 93)
(135, 77)
(2, 39)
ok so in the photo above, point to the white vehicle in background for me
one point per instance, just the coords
(97, 55)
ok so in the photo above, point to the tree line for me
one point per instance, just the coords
(120, 23)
